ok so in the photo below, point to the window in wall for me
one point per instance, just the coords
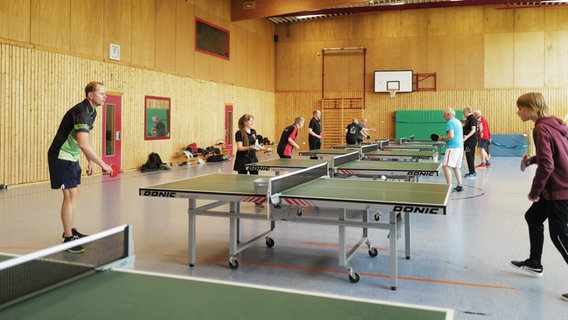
(157, 118)
(211, 39)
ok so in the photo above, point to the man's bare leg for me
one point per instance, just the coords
(68, 210)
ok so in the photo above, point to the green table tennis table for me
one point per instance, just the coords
(125, 294)
(392, 170)
(348, 164)
(403, 170)
(327, 153)
(397, 155)
(355, 204)
(404, 142)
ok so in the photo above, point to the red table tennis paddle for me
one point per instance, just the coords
(114, 171)
(322, 134)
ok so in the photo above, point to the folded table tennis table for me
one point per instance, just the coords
(351, 203)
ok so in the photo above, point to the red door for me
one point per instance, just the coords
(112, 125)
(229, 131)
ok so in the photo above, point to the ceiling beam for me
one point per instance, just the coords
(254, 9)
(416, 5)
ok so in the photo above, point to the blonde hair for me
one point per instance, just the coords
(534, 101)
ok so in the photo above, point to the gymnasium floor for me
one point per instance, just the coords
(459, 261)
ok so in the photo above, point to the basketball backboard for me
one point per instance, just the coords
(393, 79)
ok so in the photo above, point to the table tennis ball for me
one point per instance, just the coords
(384, 178)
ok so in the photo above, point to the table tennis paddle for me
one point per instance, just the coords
(322, 134)
(434, 137)
(524, 162)
(114, 171)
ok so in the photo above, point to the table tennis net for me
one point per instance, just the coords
(369, 147)
(292, 179)
(345, 158)
(25, 276)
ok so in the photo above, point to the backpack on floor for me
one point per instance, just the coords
(154, 162)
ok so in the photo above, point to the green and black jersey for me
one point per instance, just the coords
(80, 118)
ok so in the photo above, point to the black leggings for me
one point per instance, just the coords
(556, 211)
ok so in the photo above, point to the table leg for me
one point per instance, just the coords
(191, 232)
(393, 239)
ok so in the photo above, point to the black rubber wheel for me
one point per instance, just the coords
(355, 278)
(373, 252)
(234, 265)
(269, 242)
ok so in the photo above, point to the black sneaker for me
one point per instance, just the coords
(75, 233)
(459, 188)
(564, 297)
(529, 266)
(76, 249)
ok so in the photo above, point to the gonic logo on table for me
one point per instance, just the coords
(163, 194)
(420, 173)
(414, 209)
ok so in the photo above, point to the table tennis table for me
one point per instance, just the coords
(351, 203)
(128, 294)
(328, 153)
(439, 145)
(347, 164)
(396, 155)
(362, 148)
(397, 170)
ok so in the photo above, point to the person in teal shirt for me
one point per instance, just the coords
(454, 148)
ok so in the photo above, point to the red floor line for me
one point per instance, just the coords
(262, 264)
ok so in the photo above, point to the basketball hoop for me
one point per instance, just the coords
(392, 92)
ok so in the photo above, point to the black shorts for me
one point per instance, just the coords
(64, 174)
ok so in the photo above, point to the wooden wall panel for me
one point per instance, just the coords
(15, 18)
(412, 23)
(469, 20)
(469, 61)
(165, 35)
(118, 28)
(143, 32)
(555, 18)
(556, 59)
(441, 21)
(529, 59)
(442, 60)
(185, 38)
(498, 21)
(288, 75)
(87, 33)
(529, 20)
(498, 60)
(51, 23)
